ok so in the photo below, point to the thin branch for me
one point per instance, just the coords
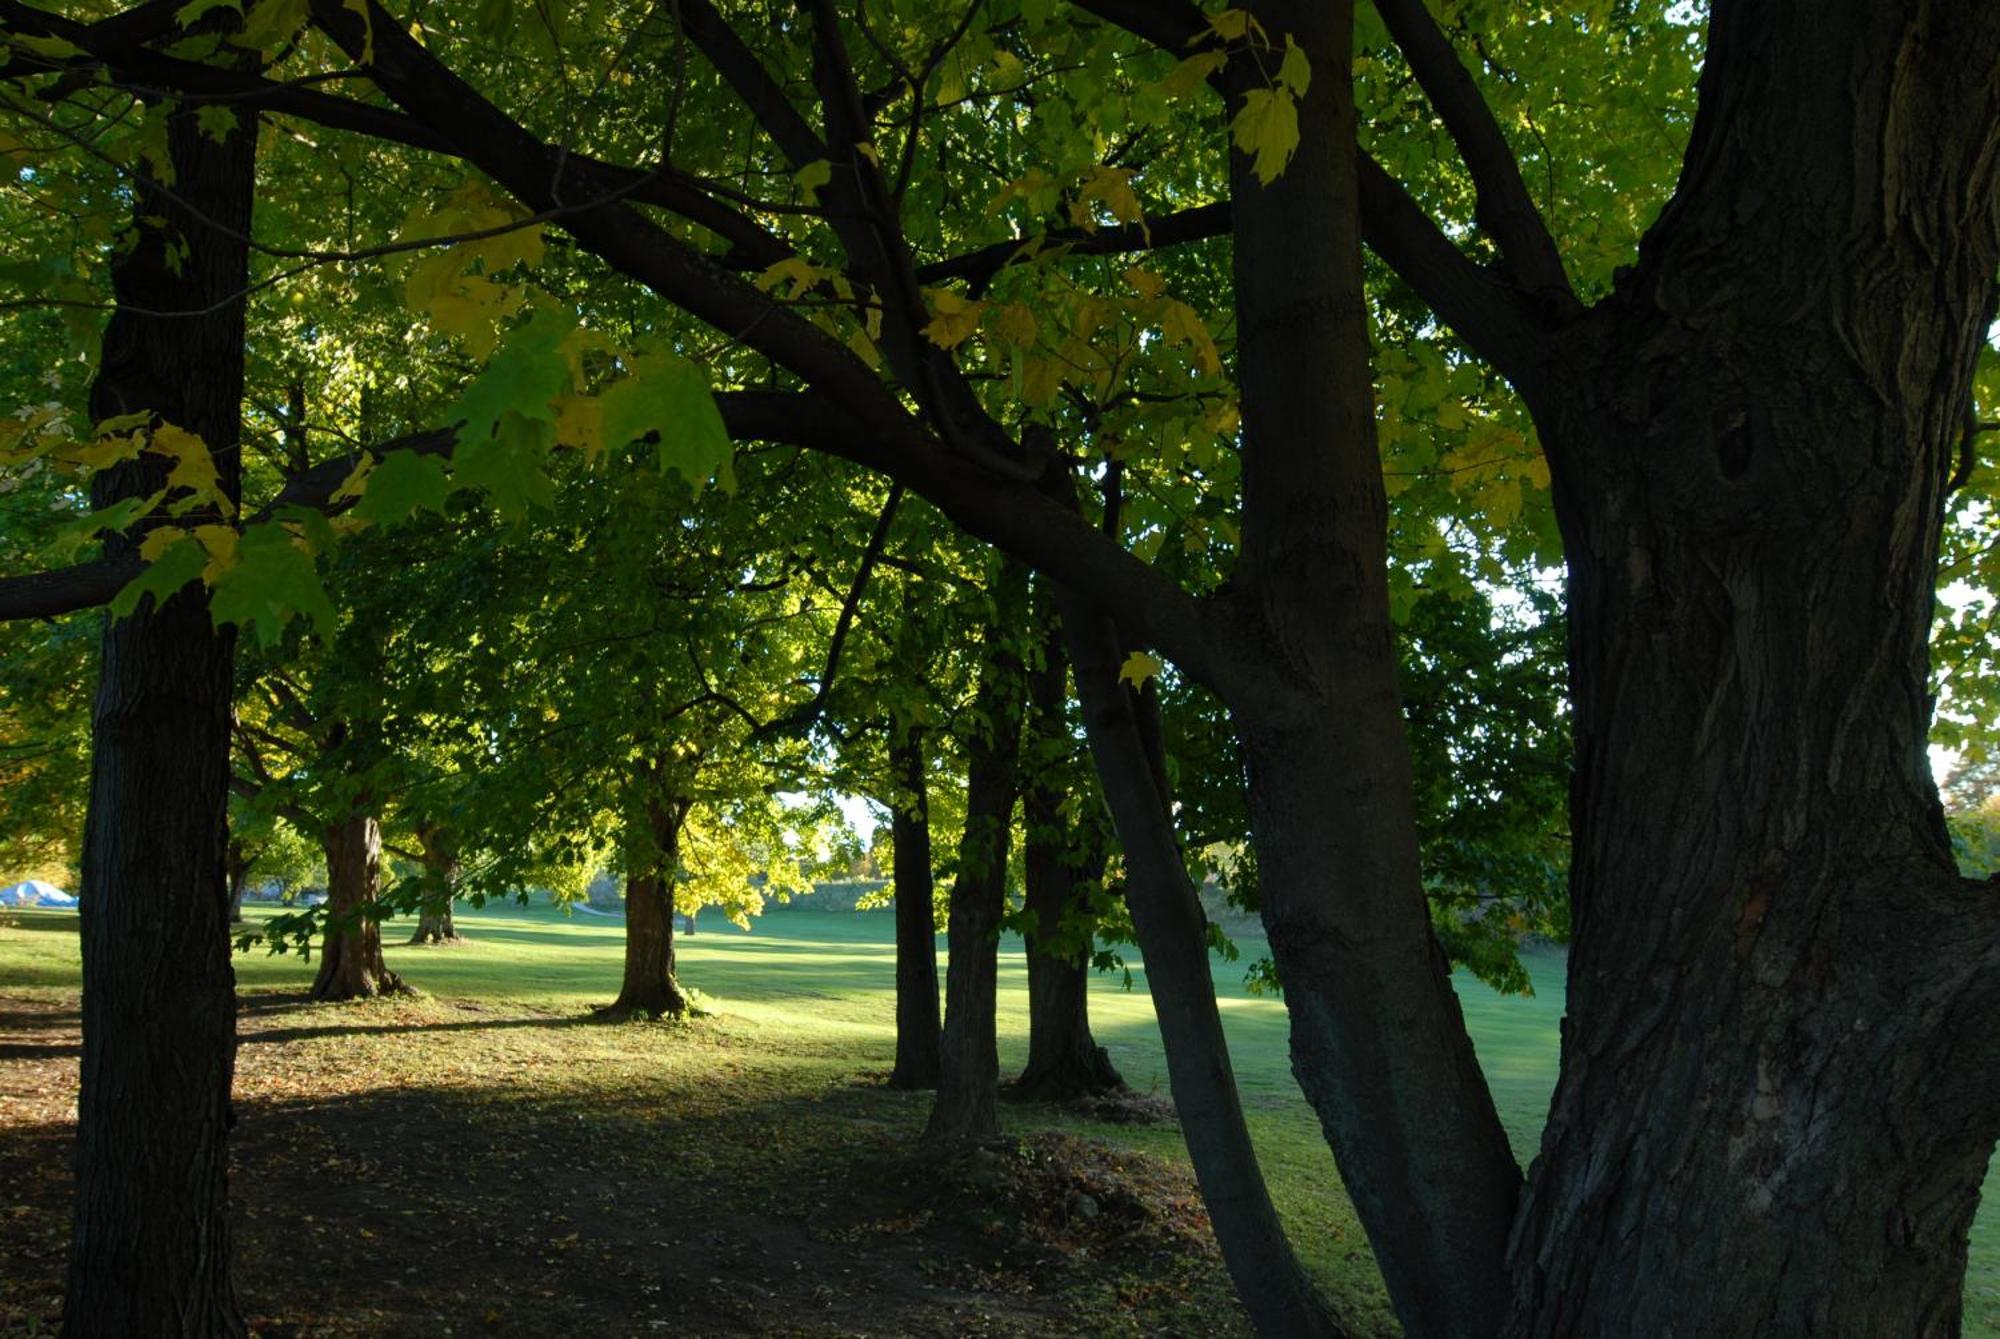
(1188, 225)
(1504, 208)
(802, 719)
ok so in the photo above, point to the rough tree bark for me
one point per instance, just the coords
(919, 1039)
(1061, 861)
(652, 856)
(350, 957)
(441, 869)
(966, 1106)
(150, 1242)
(1775, 1109)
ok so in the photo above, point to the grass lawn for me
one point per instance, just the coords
(759, 1119)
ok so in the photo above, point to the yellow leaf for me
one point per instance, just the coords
(1535, 471)
(159, 541)
(106, 451)
(864, 348)
(811, 177)
(356, 480)
(194, 467)
(1145, 282)
(1110, 187)
(1229, 25)
(1182, 324)
(1267, 128)
(1187, 77)
(219, 542)
(799, 272)
(866, 149)
(1015, 323)
(953, 318)
(1139, 667)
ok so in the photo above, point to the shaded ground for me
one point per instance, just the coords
(433, 1167)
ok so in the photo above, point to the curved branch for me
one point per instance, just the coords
(1504, 208)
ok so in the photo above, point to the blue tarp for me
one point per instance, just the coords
(35, 893)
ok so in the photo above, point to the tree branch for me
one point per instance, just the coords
(88, 585)
(1504, 208)
(800, 720)
(1014, 515)
(1188, 225)
(752, 245)
(1492, 314)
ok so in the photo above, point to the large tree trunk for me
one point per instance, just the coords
(1172, 934)
(441, 871)
(1776, 1104)
(966, 1106)
(651, 861)
(1062, 861)
(919, 1040)
(150, 1242)
(350, 960)
(1378, 1042)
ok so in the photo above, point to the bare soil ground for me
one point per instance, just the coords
(435, 1167)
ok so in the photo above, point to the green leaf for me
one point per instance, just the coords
(403, 482)
(180, 563)
(192, 12)
(669, 395)
(523, 379)
(273, 578)
(216, 121)
(1295, 72)
(507, 467)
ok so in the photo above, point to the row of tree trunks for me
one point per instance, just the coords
(919, 1039)
(966, 1106)
(652, 862)
(350, 961)
(1063, 861)
(150, 1241)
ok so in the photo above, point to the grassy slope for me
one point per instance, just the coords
(813, 991)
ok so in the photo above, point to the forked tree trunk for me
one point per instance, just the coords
(441, 870)
(651, 861)
(1377, 1037)
(966, 1106)
(1062, 861)
(350, 960)
(918, 1034)
(1776, 1104)
(150, 1241)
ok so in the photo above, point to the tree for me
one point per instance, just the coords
(1065, 850)
(1749, 431)
(149, 1249)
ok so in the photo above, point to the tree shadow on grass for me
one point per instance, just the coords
(704, 1198)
